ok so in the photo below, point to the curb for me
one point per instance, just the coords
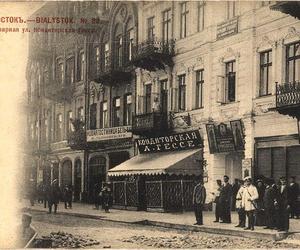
(229, 232)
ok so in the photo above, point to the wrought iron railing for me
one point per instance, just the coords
(153, 46)
(77, 139)
(154, 121)
(287, 94)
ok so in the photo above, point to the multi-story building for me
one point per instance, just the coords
(214, 67)
(202, 86)
(78, 87)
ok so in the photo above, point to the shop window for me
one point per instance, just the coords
(230, 9)
(59, 127)
(199, 88)
(116, 111)
(93, 116)
(150, 28)
(127, 109)
(293, 62)
(103, 115)
(167, 25)
(201, 12)
(70, 65)
(183, 19)
(265, 73)
(230, 82)
(148, 95)
(182, 92)
(80, 113)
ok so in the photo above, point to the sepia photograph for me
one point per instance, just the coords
(150, 124)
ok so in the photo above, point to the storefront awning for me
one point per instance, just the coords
(185, 162)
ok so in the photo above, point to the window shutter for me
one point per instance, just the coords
(221, 89)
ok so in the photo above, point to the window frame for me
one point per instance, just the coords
(184, 12)
(265, 66)
(200, 16)
(150, 28)
(199, 85)
(292, 59)
(182, 92)
(127, 118)
(93, 115)
(228, 74)
(166, 25)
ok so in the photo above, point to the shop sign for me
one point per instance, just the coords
(227, 28)
(108, 134)
(174, 142)
(224, 139)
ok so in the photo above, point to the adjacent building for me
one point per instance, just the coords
(162, 93)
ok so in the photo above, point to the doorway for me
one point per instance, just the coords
(97, 175)
(66, 173)
(77, 180)
(142, 200)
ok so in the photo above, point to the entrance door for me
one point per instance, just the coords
(97, 175)
(66, 173)
(164, 96)
(142, 200)
(77, 180)
(55, 171)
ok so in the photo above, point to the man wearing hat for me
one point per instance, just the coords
(293, 192)
(269, 200)
(225, 200)
(199, 196)
(54, 196)
(239, 205)
(283, 207)
(250, 195)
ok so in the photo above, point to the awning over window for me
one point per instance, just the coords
(185, 162)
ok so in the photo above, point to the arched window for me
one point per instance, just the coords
(129, 40)
(118, 46)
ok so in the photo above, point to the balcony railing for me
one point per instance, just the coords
(59, 92)
(150, 123)
(77, 140)
(153, 54)
(288, 98)
(114, 70)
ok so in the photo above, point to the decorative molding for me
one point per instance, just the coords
(292, 33)
(229, 54)
(264, 42)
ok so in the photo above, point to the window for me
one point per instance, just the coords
(230, 81)
(106, 56)
(164, 95)
(182, 92)
(150, 28)
(230, 9)
(265, 73)
(80, 114)
(148, 91)
(103, 115)
(199, 88)
(127, 109)
(293, 62)
(116, 111)
(119, 51)
(81, 62)
(93, 116)
(69, 122)
(97, 61)
(60, 72)
(200, 24)
(183, 19)
(70, 71)
(46, 130)
(167, 25)
(59, 125)
(129, 44)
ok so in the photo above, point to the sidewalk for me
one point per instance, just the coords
(183, 221)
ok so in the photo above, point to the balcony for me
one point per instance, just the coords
(153, 55)
(59, 92)
(77, 140)
(288, 99)
(112, 74)
(150, 123)
(288, 7)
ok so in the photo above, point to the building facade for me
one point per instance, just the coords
(163, 70)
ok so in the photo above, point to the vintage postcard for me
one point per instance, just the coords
(150, 124)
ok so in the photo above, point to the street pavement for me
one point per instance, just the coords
(68, 231)
(183, 220)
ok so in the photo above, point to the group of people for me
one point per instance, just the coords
(102, 196)
(264, 204)
(51, 194)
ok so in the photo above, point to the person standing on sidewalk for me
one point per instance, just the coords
(106, 193)
(235, 188)
(269, 200)
(218, 211)
(250, 195)
(260, 213)
(199, 197)
(225, 200)
(54, 196)
(239, 205)
(293, 192)
(283, 207)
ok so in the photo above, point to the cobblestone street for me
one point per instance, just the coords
(120, 235)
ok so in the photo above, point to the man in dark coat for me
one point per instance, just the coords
(225, 200)
(235, 188)
(268, 201)
(293, 192)
(283, 207)
(54, 196)
(218, 212)
(199, 196)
